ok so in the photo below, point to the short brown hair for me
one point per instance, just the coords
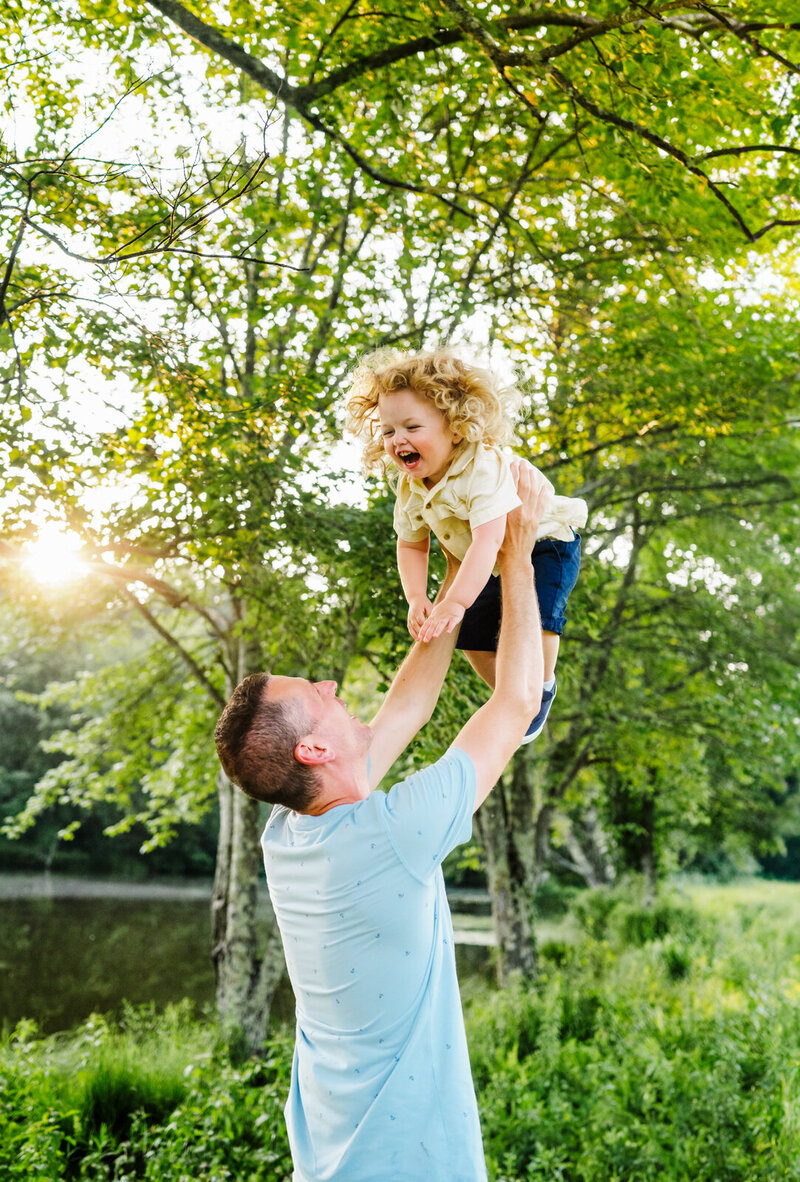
(256, 740)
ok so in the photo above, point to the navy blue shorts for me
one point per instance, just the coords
(555, 567)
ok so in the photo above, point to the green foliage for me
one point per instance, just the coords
(34, 656)
(136, 741)
(674, 1059)
(629, 1061)
(152, 1098)
(623, 914)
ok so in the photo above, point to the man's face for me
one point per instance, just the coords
(321, 712)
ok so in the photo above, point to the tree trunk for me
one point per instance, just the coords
(514, 826)
(504, 824)
(589, 849)
(246, 977)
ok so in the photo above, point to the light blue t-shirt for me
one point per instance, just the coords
(381, 1087)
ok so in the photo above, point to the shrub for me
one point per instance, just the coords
(670, 1058)
(151, 1098)
(554, 898)
(626, 916)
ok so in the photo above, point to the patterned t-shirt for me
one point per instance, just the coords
(381, 1087)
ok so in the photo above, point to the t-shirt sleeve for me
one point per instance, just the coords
(430, 813)
(492, 491)
(408, 523)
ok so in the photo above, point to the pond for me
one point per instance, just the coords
(71, 947)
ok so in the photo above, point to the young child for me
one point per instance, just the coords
(441, 423)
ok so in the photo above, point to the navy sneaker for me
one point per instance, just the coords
(536, 727)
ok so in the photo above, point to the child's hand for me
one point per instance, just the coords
(444, 618)
(419, 609)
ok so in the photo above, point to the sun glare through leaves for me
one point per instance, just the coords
(53, 558)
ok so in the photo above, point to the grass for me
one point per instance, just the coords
(153, 1097)
(662, 1044)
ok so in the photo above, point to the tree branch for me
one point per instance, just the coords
(740, 151)
(744, 33)
(299, 98)
(175, 644)
(625, 124)
(302, 98)
(176, 229)
(175, 598)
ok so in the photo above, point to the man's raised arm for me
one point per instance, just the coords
(412, 696)
(494, 732)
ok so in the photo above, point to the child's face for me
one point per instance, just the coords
(416, 436)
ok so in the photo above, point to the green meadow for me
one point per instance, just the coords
(662, 1042)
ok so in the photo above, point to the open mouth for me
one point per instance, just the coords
(408, 458)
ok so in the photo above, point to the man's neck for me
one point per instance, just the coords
(340, 787)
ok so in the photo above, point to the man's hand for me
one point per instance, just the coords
(444, 618)
(534, 491)
(419, 609)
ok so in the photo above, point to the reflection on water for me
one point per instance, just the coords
(62, 959)
(69, 948)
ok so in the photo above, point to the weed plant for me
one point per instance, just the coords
(662, 1042)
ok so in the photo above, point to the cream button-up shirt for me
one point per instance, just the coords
(476, 488)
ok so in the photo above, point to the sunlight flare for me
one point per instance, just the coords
(53, 557)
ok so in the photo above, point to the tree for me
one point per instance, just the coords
(661, 743)
(550, 192)
(603, 97)
(207, 534)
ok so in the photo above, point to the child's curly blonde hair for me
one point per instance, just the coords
(475, 403)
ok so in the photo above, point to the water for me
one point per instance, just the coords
(72, 947)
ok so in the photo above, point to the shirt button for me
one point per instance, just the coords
(446, 537)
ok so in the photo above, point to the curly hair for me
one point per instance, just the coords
(475, 403)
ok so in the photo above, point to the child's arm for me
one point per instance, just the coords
(412, 563)
(473, 574)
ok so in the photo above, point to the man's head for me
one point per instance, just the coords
(277, 734)
(256, 740)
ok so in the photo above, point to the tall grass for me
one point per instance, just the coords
(150, 1097)
(662, 1043)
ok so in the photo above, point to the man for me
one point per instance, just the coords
(381, 1089)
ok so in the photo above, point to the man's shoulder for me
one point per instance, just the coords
(429, 813)
(452, 771)
(276, 823)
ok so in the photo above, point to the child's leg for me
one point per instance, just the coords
(482, 625)
(477, 636)
(550, 643)
(484, 663)
(555, 567)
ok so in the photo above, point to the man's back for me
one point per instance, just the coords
(381, 1085)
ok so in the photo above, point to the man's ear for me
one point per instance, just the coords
(313, 751)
